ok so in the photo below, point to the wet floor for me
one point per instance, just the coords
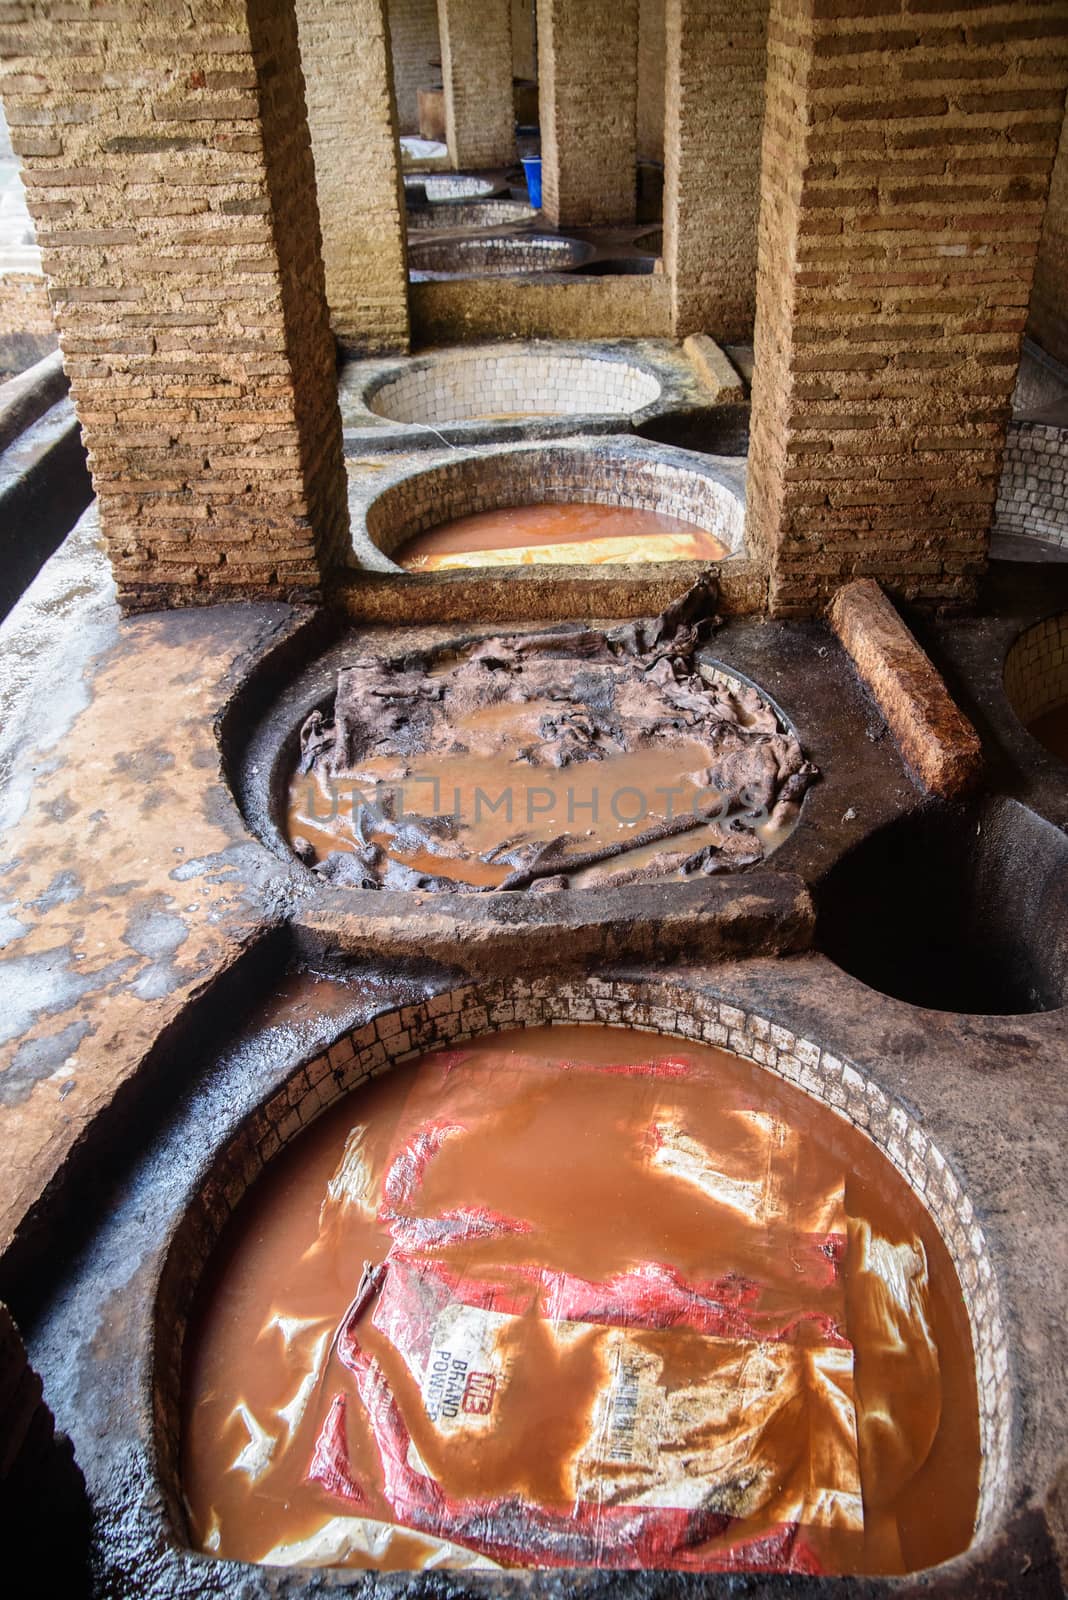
(580, 1296)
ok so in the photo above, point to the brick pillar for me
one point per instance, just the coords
(652, 71)
(476, 69)
(906, 160)
(348, 76)
(1048, 319)
(416, 50)
(588, 83)
(716, 59)
(168, 169)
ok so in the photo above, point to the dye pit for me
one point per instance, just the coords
(1051, 730)
(562, 759)
(626, 1301)
(559, 534)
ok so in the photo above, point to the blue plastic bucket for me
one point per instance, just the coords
(532, 173)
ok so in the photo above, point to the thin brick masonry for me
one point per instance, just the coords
(588, 85)
(344, 46)
(657, 1005)
(906, 160)
(716, 63)
(168, 169)
(476, 69)
(414, 46)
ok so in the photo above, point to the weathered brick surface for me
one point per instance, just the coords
(622, 307)
(415, 48)
(1048, 320)
(344, 47)
(932, 733)
(176, 213)
(524, 41)
(716, 60)
(476, 69)
(651, 79)
(588, 84)
(906, 158)
(24, 304)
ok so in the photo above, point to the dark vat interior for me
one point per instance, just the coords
(956, 909)
(719, 431)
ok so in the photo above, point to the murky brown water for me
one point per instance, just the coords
(540, 758)
(558, 534)
(643, 1304)
(1052, 731)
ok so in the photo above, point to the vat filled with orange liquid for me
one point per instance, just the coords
(574, 1297)
(561, 534)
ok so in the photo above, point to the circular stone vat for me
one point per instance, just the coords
(470, 214)
(955, 909)
(472, 386)
(751, 1328)
(689, 514)
(458, 186)
(562, 760)
(1036, 682)
(508, 255)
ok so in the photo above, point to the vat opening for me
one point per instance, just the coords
(955, 908)
(581, 1297)
(569, 758)
(472, 386)
(504, 255)
(1036, 682)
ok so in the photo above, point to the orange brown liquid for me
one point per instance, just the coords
(1051, 730)
(558, 534)
(595, 1153)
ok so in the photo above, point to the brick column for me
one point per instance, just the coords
(906, 160)
(476, 69)
(168, 169)
(348, 76)
(1048, 319)
(716, 59)
(652, 78)
(588, 83)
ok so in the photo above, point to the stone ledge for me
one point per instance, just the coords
(935, 738)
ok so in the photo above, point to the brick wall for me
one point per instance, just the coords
(476, 69)
(587, 75)
(651, 70)
(524, 43)
(907, 152)
(414, 46)
(716, 62)
(1048, 320)
(168, 170)
(624, 307)
(344, 46)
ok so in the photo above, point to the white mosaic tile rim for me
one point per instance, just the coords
(554, 473)
(651, 1006)
(497, 255)
(462, 387)
(1032, 501)
(1036, 669)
